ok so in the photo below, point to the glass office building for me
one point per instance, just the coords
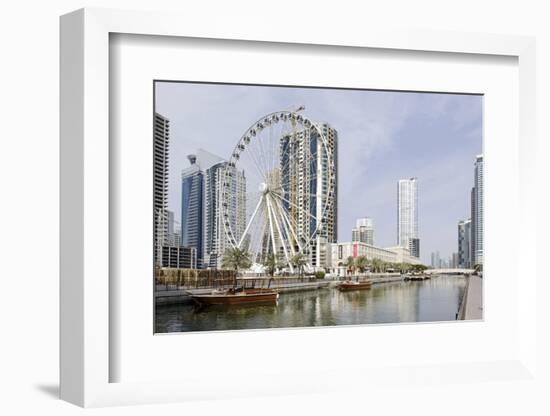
(192, 185)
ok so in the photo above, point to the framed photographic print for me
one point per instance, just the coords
(272, 235)
(291, 200)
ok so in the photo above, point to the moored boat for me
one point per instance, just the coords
(231, 297)
(354, 285)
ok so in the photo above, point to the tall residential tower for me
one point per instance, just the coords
(407, 215)
(305, 178)
(477, 212)
(363, 231)
(192, 185)
(464, 243)
(215, 241)
(161, 146)
(201, 217)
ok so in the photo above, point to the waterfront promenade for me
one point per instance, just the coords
(471, 306)
(174, 294)
(171, 294)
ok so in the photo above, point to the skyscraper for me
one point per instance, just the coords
(192, 185)
(170, 222)
(176, 238)
(472, 227)
(464, 243)
(414, 247)
(161, 146)
(454, 261)
(477, 212)
(215, 240)
(407, 215)
(363, 231)
(306, 180)
(330, 232)
(436, 260)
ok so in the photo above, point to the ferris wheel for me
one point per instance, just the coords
(277, 188)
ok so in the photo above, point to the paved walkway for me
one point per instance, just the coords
(473, 303)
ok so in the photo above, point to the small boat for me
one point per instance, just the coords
(354, 285)
(232, 297)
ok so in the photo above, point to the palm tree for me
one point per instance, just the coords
(418, 267)
(235, 259)
(281, 262)
(271, 263)
(404, 267)
(350, 264)
(376, 265)
(299, 261)
(361, 263)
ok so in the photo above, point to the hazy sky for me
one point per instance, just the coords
(382, 137)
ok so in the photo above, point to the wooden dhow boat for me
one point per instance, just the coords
(234, 297)
(354, 285)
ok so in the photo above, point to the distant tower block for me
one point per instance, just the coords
(363, 231)
(407, 215)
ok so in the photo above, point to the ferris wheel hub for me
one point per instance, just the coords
(263, 187)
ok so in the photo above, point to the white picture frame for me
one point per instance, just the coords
(86, 354)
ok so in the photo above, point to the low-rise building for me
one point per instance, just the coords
(403, 255)
(338, 253)
(178, 257)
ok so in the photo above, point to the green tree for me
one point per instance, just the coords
(281, 262)
(235, 259)
(271, 263)
(320, 274)
(350, 264)
(376, 265)
(418, 267)
(403, 267)
(299, 261)
(361, 263)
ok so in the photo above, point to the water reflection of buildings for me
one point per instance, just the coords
(407, 302)
(433, 300)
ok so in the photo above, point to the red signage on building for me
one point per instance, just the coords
(354, 249)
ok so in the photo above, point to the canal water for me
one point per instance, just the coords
(436, 299)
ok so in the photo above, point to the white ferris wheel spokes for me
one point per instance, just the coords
(277, 187)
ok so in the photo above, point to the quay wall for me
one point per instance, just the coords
(471, 306)
(181, 296)
(175, 293)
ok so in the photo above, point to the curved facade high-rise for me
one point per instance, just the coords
(192, 185)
